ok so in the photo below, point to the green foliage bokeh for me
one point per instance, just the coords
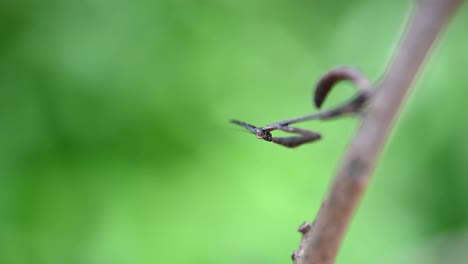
(115, 145)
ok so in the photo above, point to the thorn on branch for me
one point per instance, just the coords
(304, 229)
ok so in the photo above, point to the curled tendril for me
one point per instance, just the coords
(343, 73)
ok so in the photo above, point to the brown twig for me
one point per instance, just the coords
(321, 242)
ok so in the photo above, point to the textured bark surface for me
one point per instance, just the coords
(322, 239)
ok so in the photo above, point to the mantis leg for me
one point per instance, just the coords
(306, 136)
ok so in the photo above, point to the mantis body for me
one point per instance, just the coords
(323, 88)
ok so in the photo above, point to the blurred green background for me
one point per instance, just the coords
(115, 145)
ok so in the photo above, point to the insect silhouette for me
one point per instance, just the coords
(322, 89)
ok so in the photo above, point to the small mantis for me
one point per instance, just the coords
(323, 88)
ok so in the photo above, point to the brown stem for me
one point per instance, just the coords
(321, 244)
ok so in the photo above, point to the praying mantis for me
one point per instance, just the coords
(322, 89)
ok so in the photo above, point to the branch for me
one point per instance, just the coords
(321, 240)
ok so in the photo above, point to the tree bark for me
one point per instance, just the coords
(321, 242)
